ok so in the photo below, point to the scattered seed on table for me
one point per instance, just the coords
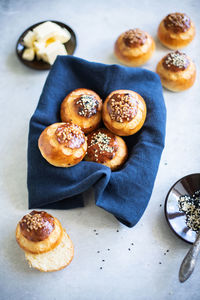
(117, 230)
(132, 244)
(100, 268)
(160, 263)
(94, 230)
(103, 259)
(160, 205)
(108, 249)
(98, 251)
(129, 249)
(96, 233)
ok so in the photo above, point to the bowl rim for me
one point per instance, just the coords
(165, 206)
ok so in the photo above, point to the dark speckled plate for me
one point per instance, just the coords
(176, 219)
(39, 64)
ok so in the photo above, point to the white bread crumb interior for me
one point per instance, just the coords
(54, 260)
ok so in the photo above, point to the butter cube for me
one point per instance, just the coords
(28, 54)
(39, 49)
(52, 50)
(63, 35)
(29, 39)
(49, 30)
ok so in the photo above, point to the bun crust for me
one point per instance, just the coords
(82, 107)
(54, 260)
(107, 149)
(132, 122)
(63, 144)
(42, 246)
(177, 81)
(134, 56)
(175, 40)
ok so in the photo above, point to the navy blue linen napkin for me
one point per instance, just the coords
(124, 193)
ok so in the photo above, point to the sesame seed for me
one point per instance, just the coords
(123, 107)
(89, 105)
(102, 140)
(178, 22)
(176, 59)
(134, 37)
(190, 205)
(70, 133)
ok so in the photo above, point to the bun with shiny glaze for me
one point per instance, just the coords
(106, 148)
(124, 112)
(82, 107)
(134, 47)
(38, 232)
(63, 144)
(177, 71)
(46, 244)
(176, 31)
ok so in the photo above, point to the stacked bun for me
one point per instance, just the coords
(46, 244)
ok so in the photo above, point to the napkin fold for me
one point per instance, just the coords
(124, 193)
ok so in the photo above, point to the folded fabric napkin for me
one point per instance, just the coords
(124, 193)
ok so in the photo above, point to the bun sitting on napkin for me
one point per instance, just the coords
(82, 107)
(124, 112)
(106, 148)
(63, 144)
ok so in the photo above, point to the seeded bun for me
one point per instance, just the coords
(38, 232)
(54, 260)
(106, 148)
(47, 246)
(63, 144)
(82, 107)
(177, 71)
(134, 47)
(124, 112)
(176, 31)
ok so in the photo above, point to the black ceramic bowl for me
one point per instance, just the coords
(39, 64)
(175, 218)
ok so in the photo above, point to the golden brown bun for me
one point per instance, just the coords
(43, 245)
(54, 260)
(175, 39)
(131, 123)
(137, 55)
(106, 148)
(177, 81)
(82, 107)
(63, 144)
